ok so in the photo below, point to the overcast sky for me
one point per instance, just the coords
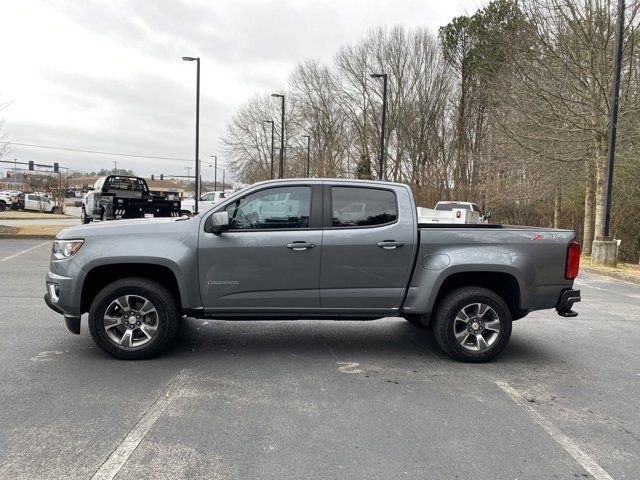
(108, 75)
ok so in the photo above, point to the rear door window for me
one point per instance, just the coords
(362, 207)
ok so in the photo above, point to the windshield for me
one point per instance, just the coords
(450, 206)
(125, 183)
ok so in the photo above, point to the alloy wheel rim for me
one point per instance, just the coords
(476, 327)
(131, 321)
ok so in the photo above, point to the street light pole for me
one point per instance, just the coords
(215, 172)
(272, 148)
(308, 137)
(197, 185)
(381, 174)
(223, 182)
(281, 163)
(613, 121)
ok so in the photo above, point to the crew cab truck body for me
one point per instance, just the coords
(309, 249)
(117, 197)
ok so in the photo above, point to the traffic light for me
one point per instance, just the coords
(30, 164)
(162, 176)
(8, 174)
(153, 177)
(56, 167)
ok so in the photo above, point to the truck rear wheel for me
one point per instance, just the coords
(133, 318)
(472, 324)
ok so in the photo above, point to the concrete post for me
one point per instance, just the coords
(604, 252)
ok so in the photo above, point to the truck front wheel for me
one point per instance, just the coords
(133, 318)
(472, 324)
(84, 218)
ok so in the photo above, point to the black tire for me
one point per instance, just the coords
(186, 212)
(167, 317)
(84, 218)
(444, 323)
(3, 206)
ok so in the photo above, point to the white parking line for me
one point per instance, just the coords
(23, 251)
(127, 446)
(565, 442)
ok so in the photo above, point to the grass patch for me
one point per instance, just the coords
(40, 229)
(20, 215)
(629, 269)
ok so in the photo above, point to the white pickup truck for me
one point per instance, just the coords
(207, 200)
(453, 212)
(8, 200)
(38, 202)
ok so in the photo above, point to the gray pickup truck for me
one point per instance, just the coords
(309, 249)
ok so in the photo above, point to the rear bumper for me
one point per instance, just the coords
(567, 298)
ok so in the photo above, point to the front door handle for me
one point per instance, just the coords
(390, 244)
(299, 246)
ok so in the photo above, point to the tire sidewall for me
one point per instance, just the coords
(167, 318)
(446, 317)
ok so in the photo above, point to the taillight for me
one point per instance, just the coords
(458, 214)
(573, 261)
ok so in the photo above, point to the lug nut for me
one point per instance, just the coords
(137, 323)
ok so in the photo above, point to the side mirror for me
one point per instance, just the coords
(217, 223)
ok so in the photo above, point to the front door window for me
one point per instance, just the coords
(272, 208)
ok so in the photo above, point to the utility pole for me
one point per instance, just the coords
(308, 137)
(197, 181)
(613, 121)
(281, 163)
(272, 148)
(115, 166)
(188, 168)
(605, 249)
(384, 76)
(215, 172)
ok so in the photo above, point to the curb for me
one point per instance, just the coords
(614, 275)
(16, 236)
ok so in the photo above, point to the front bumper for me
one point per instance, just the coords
(62, 297)
(72, 322)
(567, 298)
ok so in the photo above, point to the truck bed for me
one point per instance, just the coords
(493, 226)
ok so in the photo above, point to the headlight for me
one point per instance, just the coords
(66, 248)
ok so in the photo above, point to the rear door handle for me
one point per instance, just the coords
(299, 246)
(390, 244)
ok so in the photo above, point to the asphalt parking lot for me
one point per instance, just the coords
(298, 400)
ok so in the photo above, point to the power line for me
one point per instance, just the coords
(119, 154)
